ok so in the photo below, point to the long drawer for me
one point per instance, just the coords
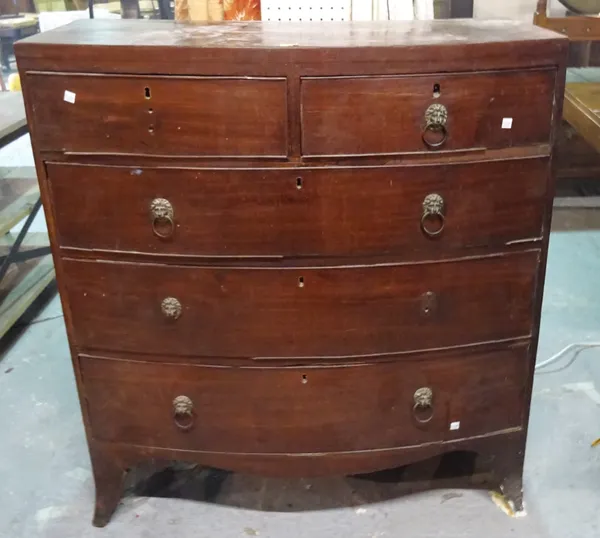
(160, 115)
(392, 114)
(299, 410)
(298, 312)
(301, 212)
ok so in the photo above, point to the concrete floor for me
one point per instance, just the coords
(46, 487)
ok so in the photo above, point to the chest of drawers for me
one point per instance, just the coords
(298, 249)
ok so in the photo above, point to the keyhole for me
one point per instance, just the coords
(304, 380)
(151, 129)
(437, 91)
(150, 111)
(301, 282)
(298, 183)
(147, 92)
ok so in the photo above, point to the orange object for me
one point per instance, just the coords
(241, 10)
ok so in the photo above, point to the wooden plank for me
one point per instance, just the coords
(24, 281)
(32, 240)
(21, 286)
(575, 28)
(15, 182)
(12, 114)
(20, 21)
(582, 110)
(18, 193)
(575, 157)
(579, 28)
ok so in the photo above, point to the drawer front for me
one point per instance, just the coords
(371, 115)
(300, 410)
(310, 212)
(297, 312)
(159, 115)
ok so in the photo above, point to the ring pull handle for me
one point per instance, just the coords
(436, 118)
(161, 213)
(433, 210)
(183, 413)
(423, 405)
(171, 308)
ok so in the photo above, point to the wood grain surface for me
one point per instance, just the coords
(160, 115)
(369, 115)
(290, 312)
(300, 212)
(582, 110)
(330, 48)
(303, 410)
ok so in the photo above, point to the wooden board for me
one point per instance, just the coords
(24, 281)
(576, 159)
(582, 110)
(12, 115)
(18, 194)
(20, 21)
(229, 49)
(578, 28)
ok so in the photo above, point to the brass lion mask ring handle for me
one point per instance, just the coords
(183, 413)
(433, 210)
(423, 405)
(161, 215)
(436, 118)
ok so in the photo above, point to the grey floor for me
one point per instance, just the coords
(46, 488)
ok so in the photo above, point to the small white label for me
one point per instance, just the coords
(69, 97)
(507, 123)
(455, 425)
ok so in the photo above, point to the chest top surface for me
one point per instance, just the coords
(131, 46)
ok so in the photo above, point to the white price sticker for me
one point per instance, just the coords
(69, 97)
(455, 425)
(507, 123)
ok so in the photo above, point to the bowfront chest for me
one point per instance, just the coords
(298, 249)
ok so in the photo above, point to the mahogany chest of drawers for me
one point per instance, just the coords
(295, 249)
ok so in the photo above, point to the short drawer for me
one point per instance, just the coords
(157, 115)
(301, 410)
(300, 311)
(388, 114)
(301, 212)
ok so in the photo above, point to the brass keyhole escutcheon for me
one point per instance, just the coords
(429, 304)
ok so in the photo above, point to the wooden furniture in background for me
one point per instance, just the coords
(279, 260)
(577, 28)
(11, 30)
(582, 110)
(579, 137)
